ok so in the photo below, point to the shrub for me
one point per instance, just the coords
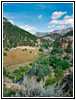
(59, 73)
(30, 88)
(5, 54)
(69, 50)
(50, 80)
(66, 57)
(8, 92)
(65, 64)
(40, 75)
(54, 51)
(61, 51)
(30, 51)
(72, 61)
(57, 61)
(19, 73)
(30, 64)
(5, 73)
(46, 69)
(25, 49)
(6, 49)
(41, 50)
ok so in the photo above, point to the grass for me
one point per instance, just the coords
(18, 57)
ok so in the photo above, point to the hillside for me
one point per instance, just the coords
(64, 45)
(53, 36)
(14, 36)
(63, 31)
(40, 34)
(60, 32)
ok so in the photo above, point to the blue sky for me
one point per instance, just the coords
(39, 17)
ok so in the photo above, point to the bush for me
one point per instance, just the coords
(40, 75)
(43, 69)
(46, 69)
(65, 64)
(69, 50)
(8, 92)
(50, 81)
(66, 57)
(5, 54)
(30, 51)
(54, 50)
(41, 50)
(6, 49)
(19, 73)
(57, 61)
(72, 61)
(59, 73)
(30, 88)
(5, 73)
(30, 64)
(25, 49)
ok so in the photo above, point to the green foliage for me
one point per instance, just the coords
(19, 73)
(68, 34)
(50, 80)
(41, 50)
(43, 69)
(65, 64)
(72, 61)
(4, 53)
(59, 73)
(40, 75)
(69, 47)
(45, 43)
(57, 61)
(25, 49)
(46, 69)
(54, 50)
(66, 57)
(54, 36)
(14, 36)
(30, 64)
(30, 51)
(6, 49)
(8, 92)
(5, 72)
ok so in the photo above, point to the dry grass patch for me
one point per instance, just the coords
(17, 57)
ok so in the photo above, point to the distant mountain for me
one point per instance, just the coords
(54, 36)
(40, 34)
(61, 32)
(14, 36)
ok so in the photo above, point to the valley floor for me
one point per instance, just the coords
(20, 56)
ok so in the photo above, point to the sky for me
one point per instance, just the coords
(39, 17)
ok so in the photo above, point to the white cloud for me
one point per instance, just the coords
(52, 26)
(12, 22)
(28, 28)
(40, 16)
(57, 15)
(67, 21)
(60, 27)
(54, 22)
(67, 16)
